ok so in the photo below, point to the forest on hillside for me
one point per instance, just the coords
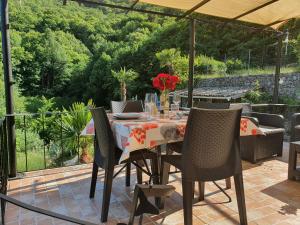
(67, 57)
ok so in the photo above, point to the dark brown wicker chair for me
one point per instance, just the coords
(126, 106)
(295, 127)
(255, 148)
(211, 105)
(107, 156)
(177, 147)
(123, 107)
(210, 152)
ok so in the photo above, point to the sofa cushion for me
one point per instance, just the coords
(271, 130)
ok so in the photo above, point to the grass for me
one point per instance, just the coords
(250, 72)
(35, 161)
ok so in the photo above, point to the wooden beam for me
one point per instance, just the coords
(253, 10)
(113, 6)
(191, 62)
(132, 6)
(8, 82)
(277, 70)
(199, 5)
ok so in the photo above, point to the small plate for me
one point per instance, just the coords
(127, 116)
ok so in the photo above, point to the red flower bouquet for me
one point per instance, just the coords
(165, 82)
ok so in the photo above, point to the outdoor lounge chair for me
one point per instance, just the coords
(210, 152)
(107, 156)
(258, 147)
(295, 127)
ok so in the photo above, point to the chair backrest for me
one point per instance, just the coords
(211, 144)
(209, 105)
(247, 108)
(105, 144)
(126, 106)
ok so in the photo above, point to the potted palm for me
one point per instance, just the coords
(124, 77)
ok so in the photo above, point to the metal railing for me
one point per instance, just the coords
(45, 141)
(3, 184)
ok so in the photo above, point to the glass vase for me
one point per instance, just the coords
(164, 102)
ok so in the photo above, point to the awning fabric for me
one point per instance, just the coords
(273, 14)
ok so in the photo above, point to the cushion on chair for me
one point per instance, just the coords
(271, 130)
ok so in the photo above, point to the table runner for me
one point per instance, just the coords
(131, 135)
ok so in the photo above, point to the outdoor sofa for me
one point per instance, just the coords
(295, 127)
(258, 147)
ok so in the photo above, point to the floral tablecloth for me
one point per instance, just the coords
(133, 135)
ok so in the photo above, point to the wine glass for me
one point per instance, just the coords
(176, 98)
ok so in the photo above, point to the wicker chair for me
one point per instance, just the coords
(210, 105)
(255, 148)
(107, 156)
(126, 106)
(123, 107)
(177, 147)
(210, 152)
(295, 127)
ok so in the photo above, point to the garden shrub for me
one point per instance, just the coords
(233, 65)
(208, 65)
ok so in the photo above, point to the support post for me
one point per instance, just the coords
(191, 62)
(277, 69)
(8, 81)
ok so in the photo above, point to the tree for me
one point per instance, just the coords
(124, 77)
(168, 58)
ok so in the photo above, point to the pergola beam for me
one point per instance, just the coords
(253, 10)
(102, 4)
(132, 6)
(277, 69)
(8, 82)
(192, 53)
(199, 5)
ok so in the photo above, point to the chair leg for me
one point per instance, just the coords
(240, 195)
(108, 179)
(139, 172)
(201, 190)
(134, 205)
(128, 169)
(94, 180)
(228, 183)
(187, 189)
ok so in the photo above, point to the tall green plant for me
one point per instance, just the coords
(124, 77)
(73, 122)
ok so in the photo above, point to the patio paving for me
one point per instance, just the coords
(270, 197)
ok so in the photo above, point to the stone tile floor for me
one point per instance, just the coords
(270, 197)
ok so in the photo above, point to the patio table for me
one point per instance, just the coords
(132, 135)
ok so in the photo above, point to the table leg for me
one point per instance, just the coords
(292, 162)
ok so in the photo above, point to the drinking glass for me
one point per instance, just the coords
(150, 103)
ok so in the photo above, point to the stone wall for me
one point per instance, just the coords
(288, 84)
